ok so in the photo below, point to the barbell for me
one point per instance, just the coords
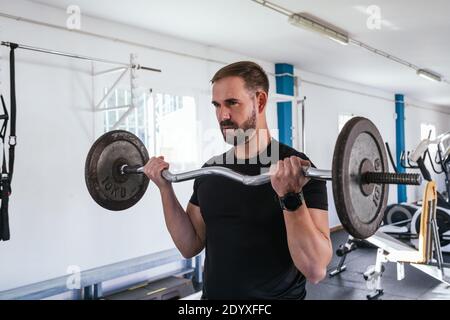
(360, 178)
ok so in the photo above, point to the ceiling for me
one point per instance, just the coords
(414, 30)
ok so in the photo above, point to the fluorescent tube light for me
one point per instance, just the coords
(302, 21)
(429, 75)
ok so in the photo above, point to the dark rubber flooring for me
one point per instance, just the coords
(350, 285)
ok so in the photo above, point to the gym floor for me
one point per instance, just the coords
(350, 284)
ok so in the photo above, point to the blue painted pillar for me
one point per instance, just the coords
(285, 85)
(400, 138)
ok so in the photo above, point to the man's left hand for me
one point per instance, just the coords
(287, 175)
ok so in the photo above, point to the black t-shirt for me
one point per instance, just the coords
(247, 254)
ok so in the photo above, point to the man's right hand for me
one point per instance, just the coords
(153, 171)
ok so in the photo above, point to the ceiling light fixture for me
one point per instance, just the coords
(304, 21)
(299, 20)
(429, 75)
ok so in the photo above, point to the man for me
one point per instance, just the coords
(261, 241)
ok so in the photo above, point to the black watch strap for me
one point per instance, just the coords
(292, 201)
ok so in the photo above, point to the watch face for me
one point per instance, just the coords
(292, 201)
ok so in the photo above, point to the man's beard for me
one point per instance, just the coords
(237, 135)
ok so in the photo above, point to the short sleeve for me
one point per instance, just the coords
(315, 191)
(194, 197)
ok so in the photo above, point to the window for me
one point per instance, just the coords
(165, 123)
(342, 120)
(175, 128)
(427, 131)
(135, 121)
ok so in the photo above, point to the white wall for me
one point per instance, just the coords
(54, 222)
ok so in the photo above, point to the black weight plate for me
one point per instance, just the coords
(359, 142)
(106, 185)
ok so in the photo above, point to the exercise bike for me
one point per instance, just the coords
(403, 220)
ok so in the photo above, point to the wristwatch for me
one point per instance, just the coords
(291, 201)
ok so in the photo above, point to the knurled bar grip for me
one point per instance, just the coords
(392, 178)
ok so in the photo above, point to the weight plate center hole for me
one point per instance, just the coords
(117, 172)
(366, 188)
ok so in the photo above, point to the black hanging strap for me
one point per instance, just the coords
(12, 134)
(4, 182)
(7, 175)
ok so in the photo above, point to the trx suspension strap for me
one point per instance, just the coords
(4, 224)
(6, 178)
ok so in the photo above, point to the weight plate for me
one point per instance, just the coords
(360, 207)
(107, 186)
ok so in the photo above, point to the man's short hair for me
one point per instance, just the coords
(254, 76)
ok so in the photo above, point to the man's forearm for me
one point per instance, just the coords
(179, 225)
(309, 247)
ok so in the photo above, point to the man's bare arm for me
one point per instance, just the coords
(186, 228)
(309, 241)
(307, 229)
